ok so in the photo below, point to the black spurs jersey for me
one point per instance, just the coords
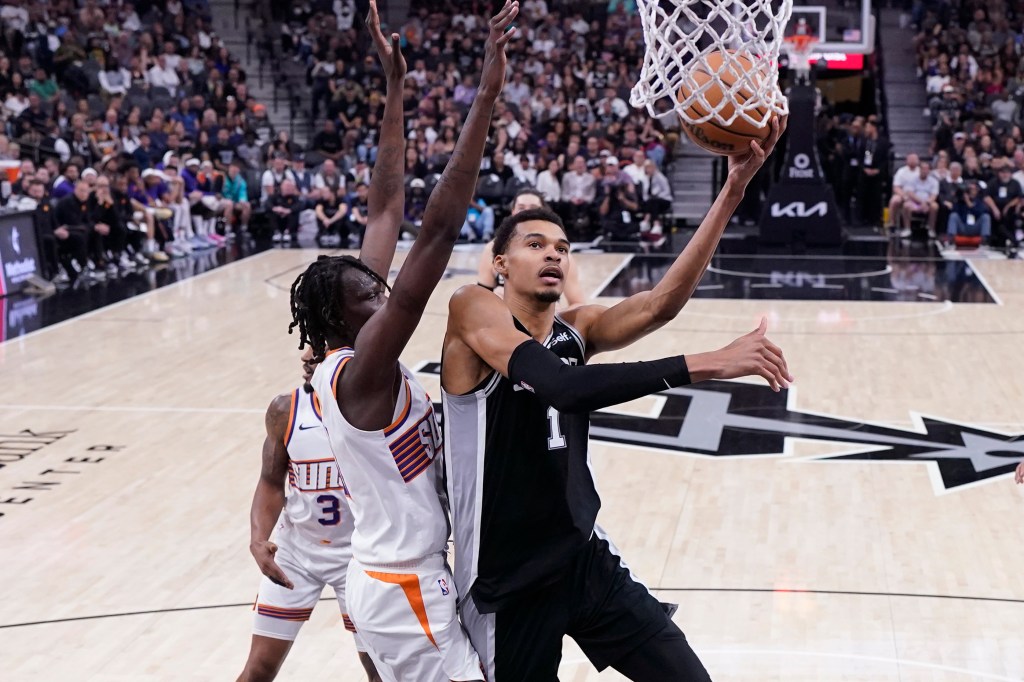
(522, 495)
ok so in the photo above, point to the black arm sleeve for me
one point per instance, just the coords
(569, 388)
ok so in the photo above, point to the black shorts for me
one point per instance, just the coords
(598, 603)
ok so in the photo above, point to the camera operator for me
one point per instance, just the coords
(617, 201)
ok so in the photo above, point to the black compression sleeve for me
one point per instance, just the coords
(569, 388)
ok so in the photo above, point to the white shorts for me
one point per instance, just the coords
(280, 612)
(409, 624)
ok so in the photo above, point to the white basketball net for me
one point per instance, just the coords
(680, 34)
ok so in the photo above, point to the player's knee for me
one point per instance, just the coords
(260, 669)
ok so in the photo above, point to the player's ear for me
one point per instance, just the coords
(501, 265)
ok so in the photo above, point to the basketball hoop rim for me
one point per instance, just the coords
(801, 44)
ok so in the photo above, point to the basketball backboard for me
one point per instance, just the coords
(837, 25)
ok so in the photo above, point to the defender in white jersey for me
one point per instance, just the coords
(313, 530)
(380, 422)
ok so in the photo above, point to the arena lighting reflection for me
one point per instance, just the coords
(885, 278)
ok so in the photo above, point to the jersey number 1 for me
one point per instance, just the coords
(556, 440)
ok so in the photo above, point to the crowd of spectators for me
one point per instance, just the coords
(563, 114)
(139, 113)
(971, 58)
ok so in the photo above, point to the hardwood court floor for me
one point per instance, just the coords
(905, 566)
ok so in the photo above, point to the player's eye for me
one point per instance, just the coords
(534, 244)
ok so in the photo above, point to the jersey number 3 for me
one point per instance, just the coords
(332, 515)
(556, 440)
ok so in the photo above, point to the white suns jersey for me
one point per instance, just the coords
(316, 505)
(396, 486)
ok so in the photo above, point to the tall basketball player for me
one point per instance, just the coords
(381, 423)
(314, 530)
(526, 199)
(517, 393)
(315, 536)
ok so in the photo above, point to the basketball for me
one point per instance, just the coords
(712, 135)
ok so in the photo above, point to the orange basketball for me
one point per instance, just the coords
(712, 135)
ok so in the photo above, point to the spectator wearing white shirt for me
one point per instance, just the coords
(345, 11)
(899, 181)
(467, 20)
(171, 57)
(163, 76)
(14, 17)
(935, 83)
(618, 105)
(543, 43)
(114, 79)
(656, 194)
(548, 185)
(274, 177)
(522, 166)
(636, 173)
(419, 73)
(535, 10)
(518, 91)
(1018, 167)
(920, 194)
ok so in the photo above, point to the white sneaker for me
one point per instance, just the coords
(125, 263)
(94, 273)
(61, 279)
(904, 233)
(277, 237)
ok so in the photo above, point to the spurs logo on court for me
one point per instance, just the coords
(731, 419)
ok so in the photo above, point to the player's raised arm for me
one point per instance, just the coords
(386, 201)
(611, 328)
(383, 337)
(268, 501)
(484, 323)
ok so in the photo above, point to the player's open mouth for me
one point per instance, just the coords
(551, 275)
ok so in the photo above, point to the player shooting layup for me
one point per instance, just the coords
(381, 423)
(517, 394)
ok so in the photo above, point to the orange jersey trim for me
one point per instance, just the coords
(337, 376)
(395, 425)
(293, 410)
(410, 584)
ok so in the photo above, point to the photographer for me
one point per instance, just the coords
(617, 201)
(1003, 198)
(969, 216)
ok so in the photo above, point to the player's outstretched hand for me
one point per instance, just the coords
(742, 167)
(492, 80)
(754, 355)
(390, 54)
(1020, 473)
(264, 553)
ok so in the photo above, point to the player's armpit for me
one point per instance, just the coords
(483, 322)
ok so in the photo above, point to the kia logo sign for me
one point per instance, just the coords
(798, 209)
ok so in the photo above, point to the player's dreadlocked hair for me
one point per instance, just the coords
(317, 307)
